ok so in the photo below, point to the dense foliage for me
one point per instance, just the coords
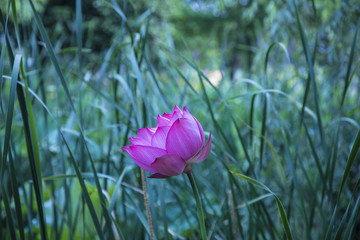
(276, 82)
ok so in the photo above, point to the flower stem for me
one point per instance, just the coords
(198, 205)
(147, 206)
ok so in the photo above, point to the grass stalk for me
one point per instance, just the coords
(199, 207)
(147, 206)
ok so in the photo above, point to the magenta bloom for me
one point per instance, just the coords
(170, 148)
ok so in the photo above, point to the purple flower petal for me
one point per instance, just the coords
(183, 139)
(177, 110)
(167, 119)
(159, 138)
(158, 175)
(201, 131)
(205, 152)
(163, 121)
(139, 141)
(169, 165)
(144, 156)
(188, 115)
(146, 134)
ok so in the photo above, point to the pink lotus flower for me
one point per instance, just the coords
(172, 146)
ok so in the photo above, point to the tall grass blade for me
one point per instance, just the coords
(311, 70)
(242, 141)
(341, 224)
(331, 223)
(116, 189)
(217, 127)
(307, 86)
(15, 191)
(314, 152)
(9, 218)
(152, 73)
(32, 162)
(131, 97)
(79, 176)
(13, 7)
(348, 76)
(354, 218)
(84, 190)
(51, 53)
(183, 77)
(354, 150)
(31, 117)
(109, 100)
(141, 82)
(78, 20)
(9, 113)
(64, 85)
(283, 47)
(5, 25)
(278, 202)
(251, 119)
(263, 130)
(138, 213)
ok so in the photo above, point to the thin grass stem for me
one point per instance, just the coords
(147, 206)
(198, 205)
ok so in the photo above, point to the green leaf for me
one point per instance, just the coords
(9, 112)
(350, 161)
(278, 202)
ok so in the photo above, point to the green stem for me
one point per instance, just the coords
(147, 206)
(198, 205)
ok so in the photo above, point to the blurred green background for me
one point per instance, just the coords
(276, 82)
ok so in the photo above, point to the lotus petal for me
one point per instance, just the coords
(159, 138)
(169, 165)
(140, 141)
(158, 175)
(146, 134)
(144, 156)
(204, 153)
(183, 139)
